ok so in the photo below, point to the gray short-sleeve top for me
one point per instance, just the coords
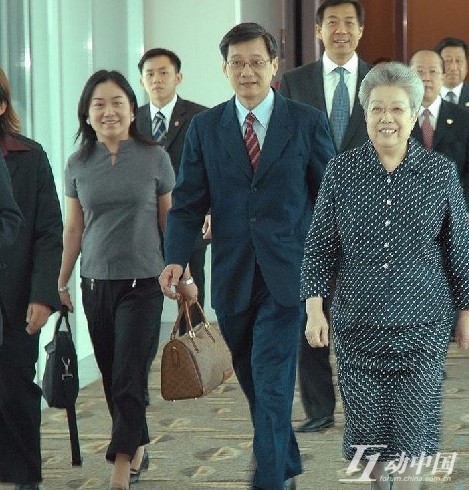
(121, 238)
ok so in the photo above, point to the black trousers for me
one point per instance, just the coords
(20, 407)
(124, 319)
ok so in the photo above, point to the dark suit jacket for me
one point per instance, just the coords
(306, 84)
(257, 218)
(173, 141)
(31, 265)
(451, 138)
(464, 97)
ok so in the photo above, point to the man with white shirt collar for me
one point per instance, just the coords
(455, 54)
(448, 132)
(339, 25)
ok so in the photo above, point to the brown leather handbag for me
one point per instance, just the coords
(195, 363)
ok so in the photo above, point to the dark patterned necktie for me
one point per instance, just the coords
(451, 97)
(340, 112)
(158, 126)
(251, 141)
(427, 130)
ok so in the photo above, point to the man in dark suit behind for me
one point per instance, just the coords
(160, 71)
(449, 122)
(455, 54)
(261, 193)
(339, 25)
(28, 295)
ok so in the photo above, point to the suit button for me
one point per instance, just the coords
(253, 190)
(253, 219)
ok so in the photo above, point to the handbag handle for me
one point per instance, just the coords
(185, 310)
(63, 315)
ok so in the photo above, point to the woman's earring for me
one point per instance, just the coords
(132, 118)
(87, 120)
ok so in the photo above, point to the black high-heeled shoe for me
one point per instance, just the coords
(135, 473)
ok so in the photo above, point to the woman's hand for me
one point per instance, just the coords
(317, 326)
(66, 300)
(462, 329)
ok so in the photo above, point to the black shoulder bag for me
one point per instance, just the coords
(60, 384)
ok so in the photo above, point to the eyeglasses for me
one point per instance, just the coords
(238, 65)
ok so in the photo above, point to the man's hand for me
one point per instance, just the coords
(462, 330)
(169, 280)
(207, 228)
(36, 317)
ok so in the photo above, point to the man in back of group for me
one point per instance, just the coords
(330, 84)
(166, 119)
(441, 126)
(455, 53)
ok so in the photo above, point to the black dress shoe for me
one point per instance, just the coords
(27, 486)
(135, 473)
(315, 425)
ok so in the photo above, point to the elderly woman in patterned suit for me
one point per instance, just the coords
(391, 219)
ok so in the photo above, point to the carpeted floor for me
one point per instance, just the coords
(206, 443)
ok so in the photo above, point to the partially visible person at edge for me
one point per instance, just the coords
(118, 191)
(166, 119)
(390, 216)
(261, 192)
(455, 54)
(339, 26)
(28, 291)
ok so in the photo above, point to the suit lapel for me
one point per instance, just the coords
(278, 134)
(316, 81)
(232, 139)
(178, 118)
(357, 115)
(444, 122)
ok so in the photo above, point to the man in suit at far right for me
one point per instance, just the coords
(455, 54)
(330, 84)
(442, 126)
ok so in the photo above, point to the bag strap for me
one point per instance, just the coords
(63, 316)
(184, 310)
(73, 431)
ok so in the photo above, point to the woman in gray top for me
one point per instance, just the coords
(118, 187)
(390, 219)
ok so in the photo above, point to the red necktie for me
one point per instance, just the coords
(251, 141)
(427, 130)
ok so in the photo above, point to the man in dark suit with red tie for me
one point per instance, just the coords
(256, 161)
(339, 25)
(442, 126)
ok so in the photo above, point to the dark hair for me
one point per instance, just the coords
(86, 133)
(153, 53)
(248, 31)
(332, 3)
(9, 120)
(452, 42)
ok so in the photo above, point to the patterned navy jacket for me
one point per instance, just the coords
(399, 240)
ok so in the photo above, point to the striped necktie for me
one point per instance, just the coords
(158, 126)
(340, 112)
(427, 130)
(251, 141)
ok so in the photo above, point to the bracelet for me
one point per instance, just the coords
(63, 289)
(186, 282)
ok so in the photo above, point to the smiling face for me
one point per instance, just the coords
(429, 67)
(389, 119)
(340, 32)
(160, 79)
(251, 81)
(110, 113)
(455, 61)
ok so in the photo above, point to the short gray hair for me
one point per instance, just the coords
(396, 75)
